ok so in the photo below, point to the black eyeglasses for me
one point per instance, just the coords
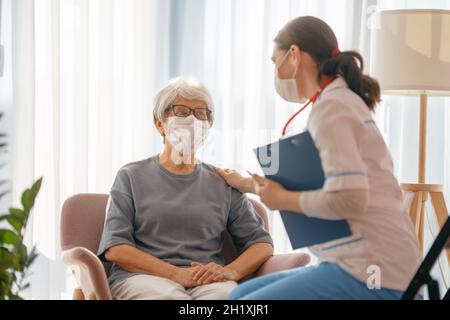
(183, 111)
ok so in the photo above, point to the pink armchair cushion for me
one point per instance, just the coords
(82, 221)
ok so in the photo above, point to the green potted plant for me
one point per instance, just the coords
(15, 258)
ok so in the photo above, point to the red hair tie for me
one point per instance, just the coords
(335, 52)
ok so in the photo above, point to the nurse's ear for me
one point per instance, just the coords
(296, 55)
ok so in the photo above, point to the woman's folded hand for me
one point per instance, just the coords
(185, 276)
(211, 272)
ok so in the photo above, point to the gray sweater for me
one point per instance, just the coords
(176, 218)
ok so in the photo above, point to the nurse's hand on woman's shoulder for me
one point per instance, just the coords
(271, 193)
(236, 180)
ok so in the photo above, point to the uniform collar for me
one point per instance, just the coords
(336, 84)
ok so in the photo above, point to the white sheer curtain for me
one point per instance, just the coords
(85, 73)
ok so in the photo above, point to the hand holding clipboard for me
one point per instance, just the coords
(298, 168)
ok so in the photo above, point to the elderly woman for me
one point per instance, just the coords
(166, 214)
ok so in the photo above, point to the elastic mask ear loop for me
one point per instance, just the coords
(281, 63)
(295, 71)
(283, 60)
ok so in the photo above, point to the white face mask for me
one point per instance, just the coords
(287, 88)
(186, 135)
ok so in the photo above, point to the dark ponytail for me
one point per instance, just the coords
(350, 65)
(315, 37)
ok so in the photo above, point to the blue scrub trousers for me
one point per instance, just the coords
(324, 282)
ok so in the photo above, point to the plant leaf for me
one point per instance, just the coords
(16, 219)
(36, 187)
(5, 286)
(15, 223)
(27, 201)
(18, 214)
(7, 259)
(6, 277)
(9, 237)
(29, 195)
(22, 255)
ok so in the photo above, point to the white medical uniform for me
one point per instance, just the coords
(355, 157)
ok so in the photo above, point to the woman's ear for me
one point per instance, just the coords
(159, 126)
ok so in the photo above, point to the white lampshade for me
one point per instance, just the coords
(411, 51)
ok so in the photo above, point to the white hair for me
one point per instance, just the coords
(185, 87)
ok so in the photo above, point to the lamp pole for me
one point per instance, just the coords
(423, 137)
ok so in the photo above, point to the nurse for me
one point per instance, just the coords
(380, 258)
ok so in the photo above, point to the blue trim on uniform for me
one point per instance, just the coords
(345, 173)
(341, 244)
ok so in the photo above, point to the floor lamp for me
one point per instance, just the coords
(411, 56)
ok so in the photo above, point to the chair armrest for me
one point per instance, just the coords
(89, 273)
(280, 262)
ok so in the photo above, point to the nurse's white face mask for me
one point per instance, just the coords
(287, 88)
(186, 135)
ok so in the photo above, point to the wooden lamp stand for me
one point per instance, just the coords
(422, 192)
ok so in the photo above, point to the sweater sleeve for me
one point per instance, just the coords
(343, 204)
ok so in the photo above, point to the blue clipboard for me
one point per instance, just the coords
(298, 167)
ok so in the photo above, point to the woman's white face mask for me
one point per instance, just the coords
(287, 88)
(186, 136)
